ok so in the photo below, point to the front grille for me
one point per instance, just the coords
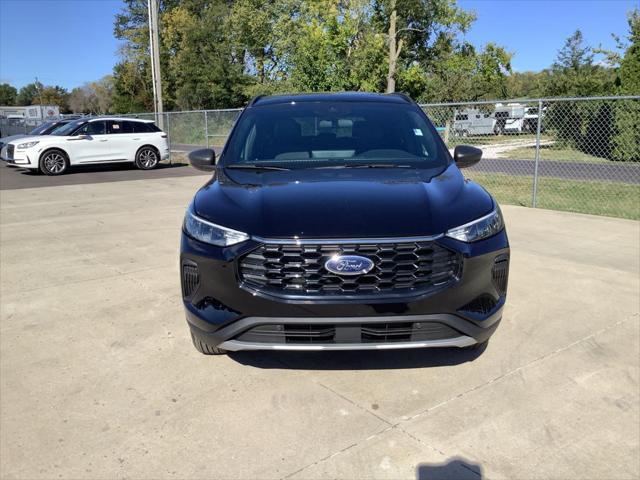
(190, 278)
(305, 333)
(500, 273)
(290, 269)
(10, 149)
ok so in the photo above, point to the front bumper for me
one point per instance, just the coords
(19, 157)
(222, 313)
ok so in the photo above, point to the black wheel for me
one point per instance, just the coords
(54, 162)
(205, 348)
(147, 158)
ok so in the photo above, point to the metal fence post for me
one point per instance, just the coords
(206, 128)
(169, 137)
(534, 193)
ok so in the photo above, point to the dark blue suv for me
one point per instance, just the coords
(340, 221)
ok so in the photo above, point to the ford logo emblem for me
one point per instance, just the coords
(348, 265)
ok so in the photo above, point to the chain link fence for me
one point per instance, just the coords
(579, 154)
(573, 154)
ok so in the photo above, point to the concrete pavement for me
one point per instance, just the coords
(98, 377)
(13, 178)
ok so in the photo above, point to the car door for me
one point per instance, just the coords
(90, 144)
(121, 137)
(141, 136)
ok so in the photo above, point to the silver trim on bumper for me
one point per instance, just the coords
(235, 345)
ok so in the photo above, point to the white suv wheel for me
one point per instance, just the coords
(147, 158)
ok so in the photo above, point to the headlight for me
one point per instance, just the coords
(27, 144)
(479, 229)
(208, 232)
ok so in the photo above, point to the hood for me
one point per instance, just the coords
(341, 203)
(15, 139)
(11, 138)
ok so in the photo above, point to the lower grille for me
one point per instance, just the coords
(299, 269)
(500, 274)
(481, 305)
(406, 332)
(348, 333)
(386, 332)
(304, 334)
(190, 278)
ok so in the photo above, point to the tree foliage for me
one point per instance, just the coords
(220, 53)
(626, 138)
(217, 53)
(8, 94)
(93, 97)
(28, 94)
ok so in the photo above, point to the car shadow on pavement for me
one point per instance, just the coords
(358, 360)
(453, 469)
(105, 167)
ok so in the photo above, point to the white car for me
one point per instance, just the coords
(90, 141)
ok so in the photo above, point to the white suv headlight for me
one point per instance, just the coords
(208, 232)
(27, 144)
(479, 229)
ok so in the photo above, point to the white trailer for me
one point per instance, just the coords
(472, 121)
(31, 113)
(515, 118)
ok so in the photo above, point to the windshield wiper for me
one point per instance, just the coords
(368, 165)
(253, 166)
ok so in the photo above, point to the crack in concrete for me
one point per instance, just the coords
(398, 425)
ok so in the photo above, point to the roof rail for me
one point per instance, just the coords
(254, 100)
(406, 97)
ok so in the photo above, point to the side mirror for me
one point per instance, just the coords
(204, 159)
(466, 156)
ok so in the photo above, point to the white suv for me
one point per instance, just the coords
(90, 141)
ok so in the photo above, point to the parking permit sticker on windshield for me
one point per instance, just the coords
(417, 132)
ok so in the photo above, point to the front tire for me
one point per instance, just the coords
(147, 158)
(205, 348)
(54, 162)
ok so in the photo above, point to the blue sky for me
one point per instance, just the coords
(69, 42)
(534, 30)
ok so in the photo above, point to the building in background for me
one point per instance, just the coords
(31, 112)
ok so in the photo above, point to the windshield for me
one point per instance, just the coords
(68, 128)
(335, 134)
(41, 129)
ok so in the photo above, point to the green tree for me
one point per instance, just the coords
(29, 94)
(53, 95)
(200, 32)
(8, 94)
(626, 139)
(574, 72)
(417, 30)
(526, 84)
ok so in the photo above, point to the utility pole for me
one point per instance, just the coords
(39, 90)
(154, 48)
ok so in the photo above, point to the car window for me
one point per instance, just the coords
(130, 127)
(119, 126)
(69, 128)
(140, 127)
(93, 128)
(42, 129)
